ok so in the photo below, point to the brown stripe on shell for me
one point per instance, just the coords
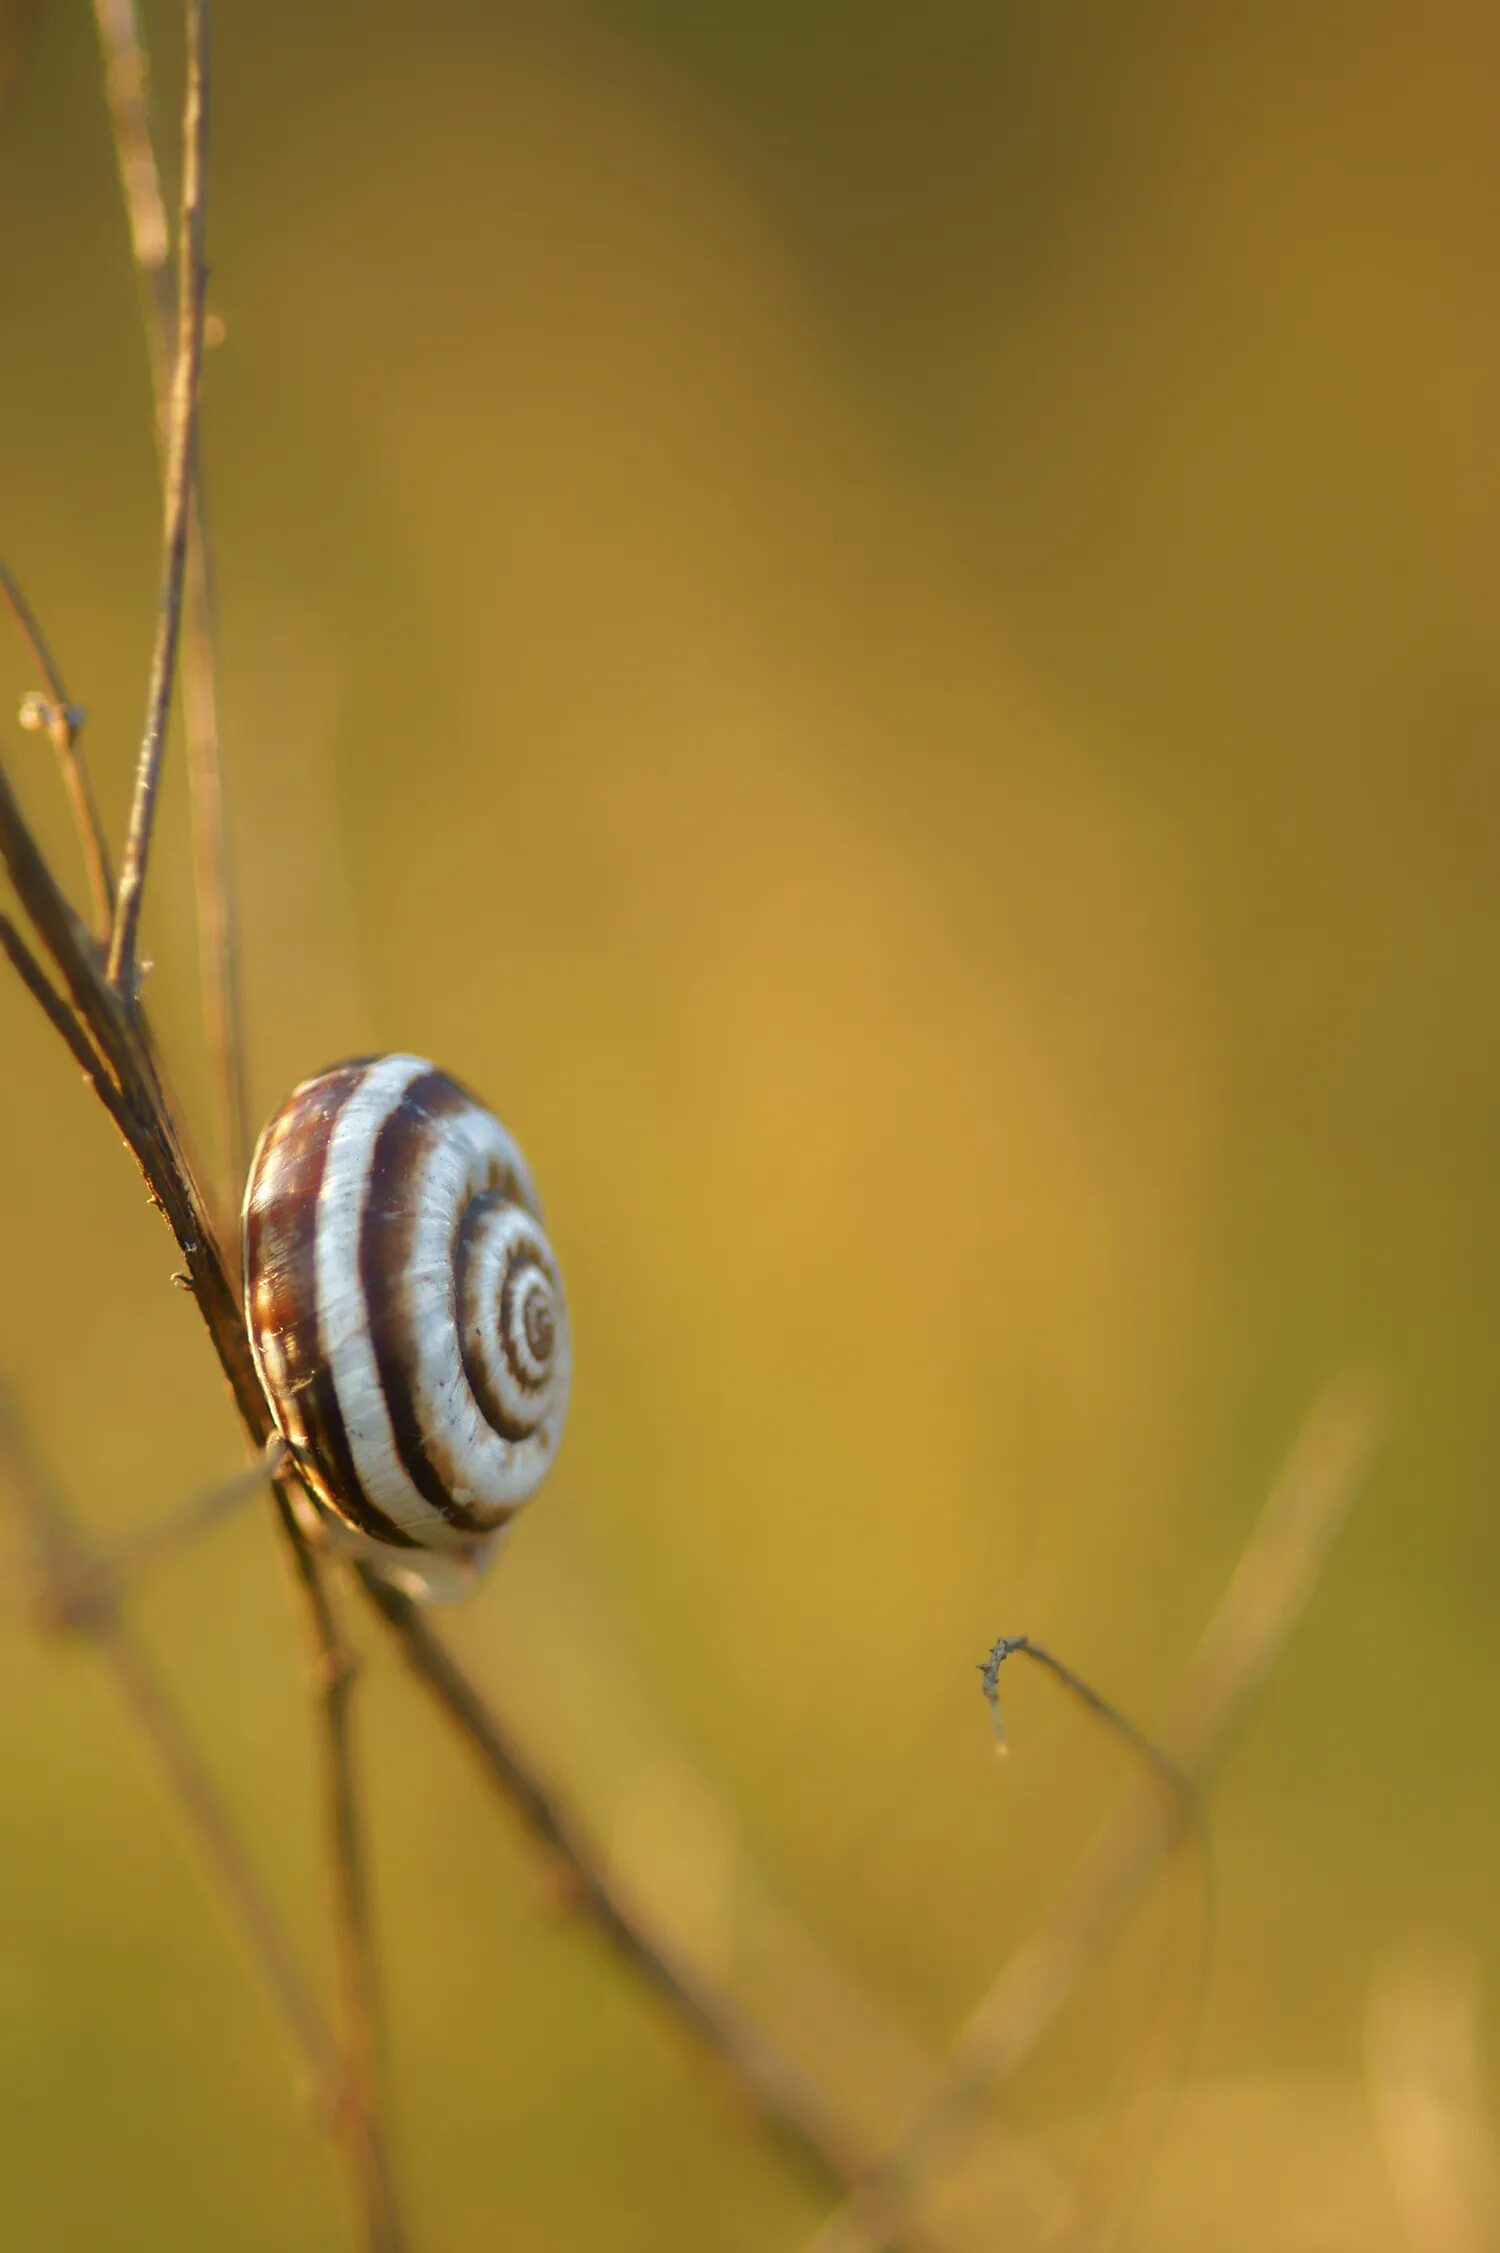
(387, 1234)
(496, 1414)
(525, 1259)
(281, 1219)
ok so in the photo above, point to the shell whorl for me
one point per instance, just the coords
(405, 1309)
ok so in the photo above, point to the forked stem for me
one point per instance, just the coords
(63, 1564)
(126, 92)
(62, 720)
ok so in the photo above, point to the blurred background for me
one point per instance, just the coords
(881, 624)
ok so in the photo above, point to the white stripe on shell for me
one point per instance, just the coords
(343, 1315)
(502, 1231)
(497, 1473)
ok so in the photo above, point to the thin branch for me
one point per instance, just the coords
(1272, 1581)
(125, 68)
(123, 1039)
(362, 2111)
(64, 1565)
(1183, 1791)
(126, 82)
(192, 285)
(113, 1572)
(1137, 2108)
(213, 876)
(60, 929)
(34, 978)
(62, 720)
(789, 2106)
(36, 641)
(148, 1130)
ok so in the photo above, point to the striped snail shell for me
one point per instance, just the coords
(406, 1312)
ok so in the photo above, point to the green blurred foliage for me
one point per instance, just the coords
(882, 624)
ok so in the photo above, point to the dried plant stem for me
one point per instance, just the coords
(361, 2108)
(1271, 1583)
(1182, 1791)
(106, 1030)
(124, 57)
(34, 978)
(65, 1569)
(117, 1042)
(178, 484)
(790, 2105)
(108, 1020)
(1100, 2195)
(109, 1574)
(213, 880)
(64, 721)
(126, 78)
(183, 1528)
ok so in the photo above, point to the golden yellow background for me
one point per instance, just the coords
(881, 623)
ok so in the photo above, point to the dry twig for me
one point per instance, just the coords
(361, 2106)
(63, 721)
(110, 1038)
(185, 562)
(108, 1033)
(73, 1593)
(126, 79)
(111, 1044)
(793, 2112)
(124, 1076)
(1271, 1583)
(106, 1030)
(192, 286)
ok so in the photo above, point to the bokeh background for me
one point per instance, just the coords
(882, 623)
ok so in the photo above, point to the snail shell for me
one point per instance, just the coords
(405, 1310)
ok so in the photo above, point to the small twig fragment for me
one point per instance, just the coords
(56, 716)
(1272, 1581)
(1007, 1646)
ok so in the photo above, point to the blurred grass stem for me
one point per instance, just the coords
(361, 2109)
(107, 1026)
(111, 1043)
(114, 1041)
(1179, 1786)
(791, 2106)
(187, 368)
(99, 1015)
(64, 1566)
(111, 1573)
(126, 91)
(1276, 1573)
